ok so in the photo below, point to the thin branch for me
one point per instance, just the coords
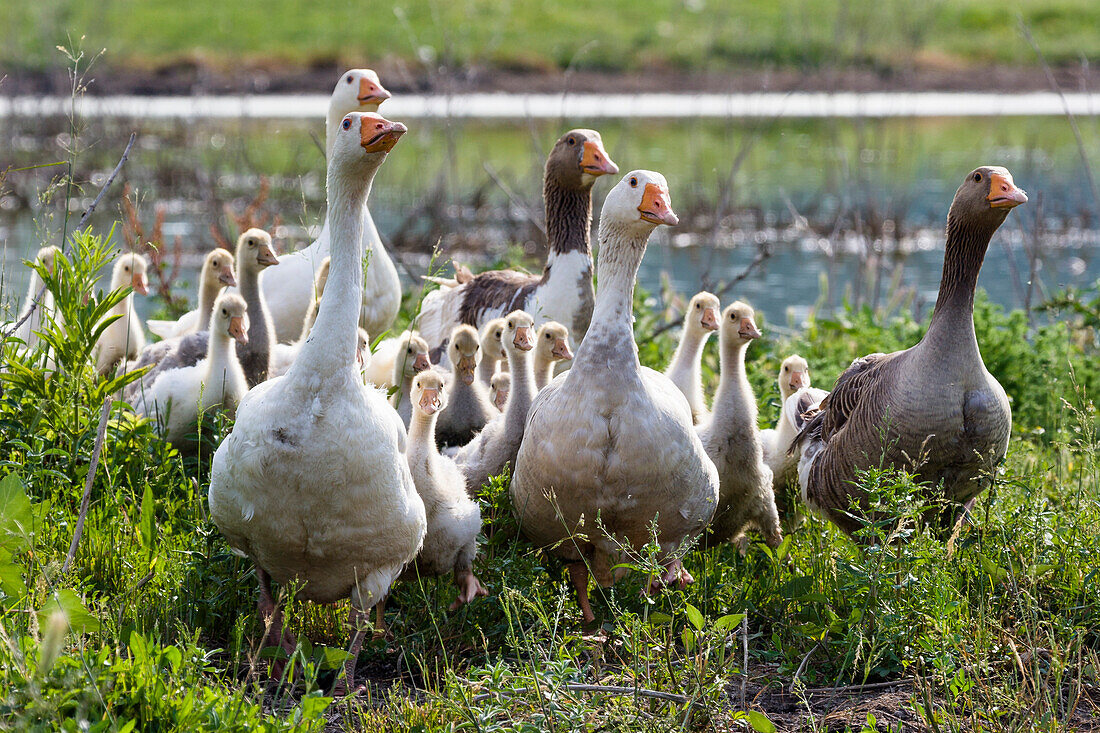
(603, 689)
(79, 225)
(101, 433)
(762, 254)
(516, 201)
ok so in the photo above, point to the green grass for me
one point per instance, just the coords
(154, 625)
(616, 35)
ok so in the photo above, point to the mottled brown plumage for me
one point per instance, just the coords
(932, 409)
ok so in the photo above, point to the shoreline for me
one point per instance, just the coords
(197, 79)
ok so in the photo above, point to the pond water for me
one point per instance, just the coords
(845, 205)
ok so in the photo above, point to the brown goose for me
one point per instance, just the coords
(934, 408)
(564, 291)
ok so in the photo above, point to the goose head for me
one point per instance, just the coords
(362, 141)
(358, 90)
(578, 158)
(47, 257)
(462, 351)
(702, 313)
(491, 336)
(230, 317)
(130, 271)
(428, 392)
(552, 343)
(500, 385)
(637, 204)
(739, 324)
(412, 357)
(794, 374)
(255, 251)
(362, 347)
(985, 197)
(217, 269)
(519, 336)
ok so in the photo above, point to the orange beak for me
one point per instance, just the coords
(800, 380)
(429, 401)
(140, 284)
(656, 207)
(710, 319)
(524, 340)
(1003, 193)
(237, 329)
(561, 350)
(379, 135)
(748, 329)
(466, 366)
(421, 362)
(371, 93)
(266, 256)
(227, 277)
(595, 161)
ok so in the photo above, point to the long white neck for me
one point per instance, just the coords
(221, 360)
(331, 345)
(734, 403)
(685, 369)
(208, 293)
(421, 446)
(522, 392)
(610, 338)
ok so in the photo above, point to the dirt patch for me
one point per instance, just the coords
(195, 78)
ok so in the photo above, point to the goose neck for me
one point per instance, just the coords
(568, 218)
(486, 368)
(689, 351)
(331, 345)
(219, 351)
(421, 431)
(522, 392)
(207, 295)
(734, 399)
(611, 333)
(953, 317)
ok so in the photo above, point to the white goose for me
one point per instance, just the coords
(500, 387)
(498, 442)
(610, 437)
(732, 439)
(797, 397)
(313, 483)
(46, 308)
(551, 349)
(124, 337)
(492, 351)
(216, 273)
(289, 289)
(685, 370)
(178, 398)
(414, 359)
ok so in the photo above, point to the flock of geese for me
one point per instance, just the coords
(325, 480)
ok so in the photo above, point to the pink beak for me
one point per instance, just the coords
(421, 362)
(266, 257)
(466, 367)
(799, 380)
(237, 330)
(227, 277)
(523, 340)
(561, 350)
(140, 284)
(749, 329)
(710, 319)
(429, 401)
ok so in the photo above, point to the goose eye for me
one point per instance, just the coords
(978, 177)
(698, 306)
(786, 369)
(633, 182)
(346, 124)
(225, 312)
(349, 79)
(572, 141)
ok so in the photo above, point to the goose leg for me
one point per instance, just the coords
(357, 620)
(273, 622)
(381, 629)
(578, 573)
(675, 574)
(469, 587)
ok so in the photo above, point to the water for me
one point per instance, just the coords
(851, 198)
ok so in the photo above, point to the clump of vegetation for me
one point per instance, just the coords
(151, 623)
